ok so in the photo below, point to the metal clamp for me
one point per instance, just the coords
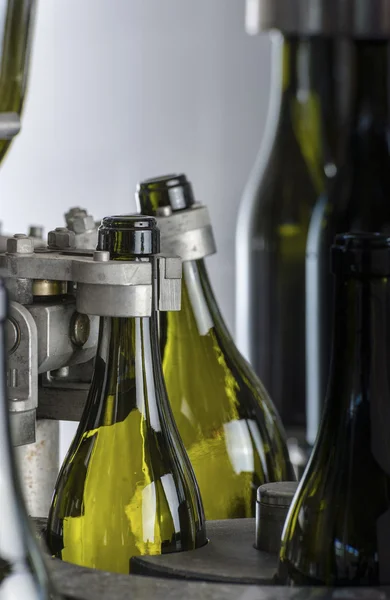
(104, 287)
(187, 233)
(22, 374)
(125, 289)
(351, 18)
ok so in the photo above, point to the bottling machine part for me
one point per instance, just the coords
(186, 233)
(368, 19)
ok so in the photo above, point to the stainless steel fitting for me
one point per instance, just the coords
(186, 233)
(352, 18)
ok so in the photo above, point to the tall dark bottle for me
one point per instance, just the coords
(358, 200)
(274, 217)
(126, 487)
(227, 422)
(23, 573)
(338, 529)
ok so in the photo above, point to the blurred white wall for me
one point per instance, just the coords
(121, 90)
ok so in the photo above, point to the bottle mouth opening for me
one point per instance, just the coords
(362, 240)
(129, 235)
(163, 179)
(361, 254)
(173, 191)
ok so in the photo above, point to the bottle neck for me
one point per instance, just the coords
(311, 108)
(127, 372)
(370, 84)
(194, 298)
(359, 386)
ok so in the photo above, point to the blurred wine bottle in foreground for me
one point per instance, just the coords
(229, 426)
(16, 31)
(338, 529)
(297, 156)
(23, 573)
(358, 200)
(126, 487)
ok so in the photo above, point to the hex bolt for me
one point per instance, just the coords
(61, 239)
(79, 221)
(20, 244)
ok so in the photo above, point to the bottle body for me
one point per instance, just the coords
(357, 200)
(126, 486)
(23, 573)
(337, 530)
(229, 426)
(274, 220)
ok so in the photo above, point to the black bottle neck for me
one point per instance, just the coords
(370, 84)
(359, 383)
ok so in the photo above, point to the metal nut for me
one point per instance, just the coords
(78, 220)
(72, 212)
(20, 244)
(61, 239)
(81, 223)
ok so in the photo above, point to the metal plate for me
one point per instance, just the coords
(78, 583)
(229, 557)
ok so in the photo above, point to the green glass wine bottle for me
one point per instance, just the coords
(297, 157)
(337, 531)
(23, 572)
(357, 200)
(229, 426)
(126, 487)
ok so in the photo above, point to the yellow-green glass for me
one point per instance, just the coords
(229, 426)
(126, 487)
(16, 28)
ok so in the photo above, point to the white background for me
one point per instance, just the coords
(122, 90)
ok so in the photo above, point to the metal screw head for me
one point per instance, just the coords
(20, 244)
(79, 329)
(61, 239)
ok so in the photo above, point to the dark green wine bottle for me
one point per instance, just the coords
(358, 200)
(228, 424)
(126, 487)
(338, 528)
(295, 159)
(23, 573)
